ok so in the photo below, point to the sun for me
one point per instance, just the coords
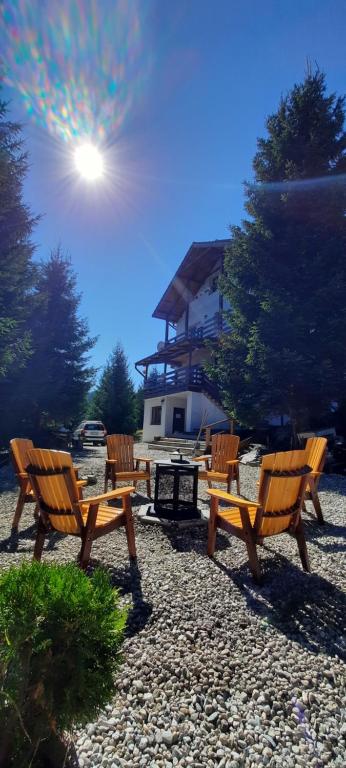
(89, 161)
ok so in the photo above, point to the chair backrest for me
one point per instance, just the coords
(283, 479)
(120, 448)
(54, 483)
(223, 448)
(19, 451)
(316, 451)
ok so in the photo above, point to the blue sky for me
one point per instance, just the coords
(199, 82)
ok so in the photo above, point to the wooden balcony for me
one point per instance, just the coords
(190, 378)
(208, 330)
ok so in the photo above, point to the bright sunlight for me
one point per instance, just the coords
(89, 162)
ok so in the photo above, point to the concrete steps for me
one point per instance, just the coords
(170, 444)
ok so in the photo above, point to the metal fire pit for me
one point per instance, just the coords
(176, 490)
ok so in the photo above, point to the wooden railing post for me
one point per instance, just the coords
(207, 438)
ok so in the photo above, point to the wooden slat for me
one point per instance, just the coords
(223, 448)
(19, 448)
(278, 494)
(232, 515)
(53, 489)
(120, 449)
(315, 450)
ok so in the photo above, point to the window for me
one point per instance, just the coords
(156, 415)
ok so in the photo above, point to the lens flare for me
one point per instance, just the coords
(89, 161)
(80, 67)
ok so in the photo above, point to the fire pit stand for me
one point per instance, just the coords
(176, 490)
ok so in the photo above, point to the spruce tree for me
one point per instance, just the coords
(114, 400)
(285, 268)
(16, 250)
(58, 376)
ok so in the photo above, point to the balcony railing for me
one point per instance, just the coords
(189, 378)
(209, 330)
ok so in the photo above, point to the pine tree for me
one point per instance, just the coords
(140, 406)
(114, 400)
(285, 269)
(16, 250)
(58, 377)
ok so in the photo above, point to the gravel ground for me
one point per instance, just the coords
(217, 671)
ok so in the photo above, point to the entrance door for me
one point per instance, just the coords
(178, 420)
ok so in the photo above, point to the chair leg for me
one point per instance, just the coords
(40, 537)
(84, 555)
(148, 489)
(316, 502)
(303, 552)
(19, 510)
(106, 478)
(129, 528)
(253, 560)
(237, 479)
(113, 478)
(212, 527)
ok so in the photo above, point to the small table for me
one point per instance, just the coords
(176, 486)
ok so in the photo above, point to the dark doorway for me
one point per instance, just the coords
(178, 419)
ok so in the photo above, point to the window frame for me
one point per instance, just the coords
(153, 418)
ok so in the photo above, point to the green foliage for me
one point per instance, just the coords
(60, 638)
(114, 401)
(16, 249)
(285, 269)
(53, 388)
(140, 406)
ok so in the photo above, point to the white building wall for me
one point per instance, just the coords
(153, 430)
(197, 406)
(200, 408)
(202, 307)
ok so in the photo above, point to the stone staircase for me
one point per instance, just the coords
(185, 445)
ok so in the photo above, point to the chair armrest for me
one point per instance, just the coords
(111, 461)
(143, 458)
(232, 461)
(23, 475)
(81, 483)
(202, 458)
(108, 496)
(236, 501)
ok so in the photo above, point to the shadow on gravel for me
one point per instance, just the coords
(128, 581)
(193, 539)
(305, 607)
(13, 541)
(318, 535)
(8, 480)
(16, 538)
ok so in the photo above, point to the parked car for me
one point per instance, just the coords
(90, 431)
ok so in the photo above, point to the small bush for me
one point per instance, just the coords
(60, 636)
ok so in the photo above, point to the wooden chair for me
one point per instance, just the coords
(222, 466)
(283, 481)
(54, 483)
(315, 457)
(122, 465)
(19, 448)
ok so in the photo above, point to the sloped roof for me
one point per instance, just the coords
(199, 262)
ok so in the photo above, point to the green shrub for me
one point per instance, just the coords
(60, 636)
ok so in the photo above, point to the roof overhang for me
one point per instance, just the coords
(199, 262)
(170, 352)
